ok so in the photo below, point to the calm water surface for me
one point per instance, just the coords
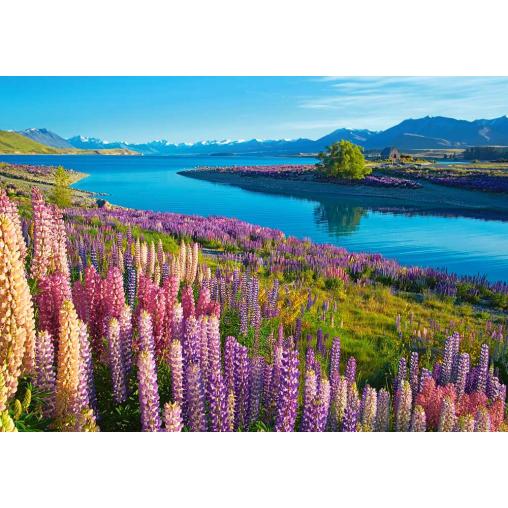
(462, 245)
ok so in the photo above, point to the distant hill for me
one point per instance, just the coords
(46, 137)
(15, 143)
(412, 134)
(12, 142)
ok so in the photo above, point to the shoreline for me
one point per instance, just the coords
(429, 199)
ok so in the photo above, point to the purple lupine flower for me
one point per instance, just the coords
(176, 365)
(418, 420)
(116, 362)
(229, 363)
(483, 369)
(351, 413)
(241, 385)
(403, 407)
(173, 417)
(309, 396)
(194, 398)
(368, 409)
(401, 375)
(320, 345)
(126, 339)
(215, 391)
(335, 357)
(383, 411)
(146, 341)
(230, 412)
(351, 369)
(414, 372)
(148, 392)
(339, 403)
(288, 392)
(447, 365)
(447, 418)
(87, 395)
(462, 372)
(256, 387)
(46, 376)
(324, 405)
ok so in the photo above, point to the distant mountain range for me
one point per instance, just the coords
(412, 134)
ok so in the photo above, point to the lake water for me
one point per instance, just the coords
(459, 244)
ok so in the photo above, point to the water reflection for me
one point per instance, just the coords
(340, 218)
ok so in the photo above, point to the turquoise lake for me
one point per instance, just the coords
(459, 244)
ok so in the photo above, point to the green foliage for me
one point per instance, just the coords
(62, 194)
(344, 160)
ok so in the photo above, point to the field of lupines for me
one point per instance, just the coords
(127, 320)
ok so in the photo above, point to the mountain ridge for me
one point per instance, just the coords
(430, 132)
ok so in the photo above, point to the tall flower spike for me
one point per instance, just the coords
(46, 378)
(447, 418)
(148, 392)
(67, 378)
(116, 360)
(383, 411)
(173, 417)
(403, 409)
(87, 394)
(418, 421)
(176, 365)
(17, 330)
(288, 394)
(9, 209)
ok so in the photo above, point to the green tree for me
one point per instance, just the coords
(62, 193)
(344, 160)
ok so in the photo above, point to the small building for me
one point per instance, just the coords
(391, 153)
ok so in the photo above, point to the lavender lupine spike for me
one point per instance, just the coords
(230, 412)
(173, 417)
(176, 365)
(324, 405)
(46, 376)
(403, 409)
(401, 375)
(351, 414)
(447, 365)
(309, 396)
(418, 420)
(126, 339)
(414, 372)
(339, 403)
(256, 387)
(369, 409)
(194, 398)
(335, 357)
(241, 385)
(215, 391)
(351, 369)
(383, 411)
(87, 393)
(483, 369)
(447, 418)
(462, 372)
(147, 378)
(229, 363)
(288, 394)
(116, 361)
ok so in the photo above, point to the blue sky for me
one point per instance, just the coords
(187, 109)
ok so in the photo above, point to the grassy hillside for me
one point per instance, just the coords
(13, 143)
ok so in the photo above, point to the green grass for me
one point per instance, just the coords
(11, 142)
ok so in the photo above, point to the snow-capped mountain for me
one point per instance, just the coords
(46, 137)
(427, 132)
